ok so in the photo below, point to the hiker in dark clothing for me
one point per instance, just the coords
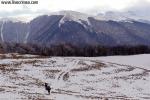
(47, 87)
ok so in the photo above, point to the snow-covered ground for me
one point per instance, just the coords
(22, 77)
(142, 60)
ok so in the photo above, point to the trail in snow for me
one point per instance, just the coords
(59, 80)
(67, 70)
(2, 31)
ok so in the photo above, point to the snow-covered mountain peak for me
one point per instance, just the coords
(118, 16)
(9, 19)
(15, 20)
(72, 16)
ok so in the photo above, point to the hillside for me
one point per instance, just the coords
(23, 77)
(78, 29)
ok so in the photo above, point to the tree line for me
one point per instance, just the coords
(72, 50)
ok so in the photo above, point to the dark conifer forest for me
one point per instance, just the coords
(71, 50)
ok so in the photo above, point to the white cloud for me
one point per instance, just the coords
(90, 6)
(141, 9)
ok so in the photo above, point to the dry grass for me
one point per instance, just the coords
(19, 56)
(97, 66)
(125, 70)
(3, 56)
(51, 73)
(66, 76)
(1, 89)
(7, 68)
(12, 87)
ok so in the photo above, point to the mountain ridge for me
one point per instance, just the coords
(76, 28)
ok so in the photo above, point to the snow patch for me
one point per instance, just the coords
(73, 16)
(2, 37)
(26, 37)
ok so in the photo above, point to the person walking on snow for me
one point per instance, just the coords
(48, 88)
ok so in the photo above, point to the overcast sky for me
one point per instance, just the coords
(86, 6)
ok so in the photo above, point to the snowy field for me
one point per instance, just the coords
(22, 77)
